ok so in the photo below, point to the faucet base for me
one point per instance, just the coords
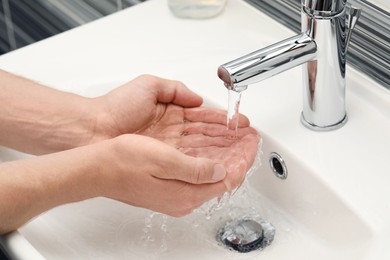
(323, 128)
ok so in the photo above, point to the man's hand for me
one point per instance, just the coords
(137, 104)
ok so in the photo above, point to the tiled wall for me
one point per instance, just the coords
(23, 22)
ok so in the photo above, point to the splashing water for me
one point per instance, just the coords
(218, 203)
(158, 229)
(155, 232)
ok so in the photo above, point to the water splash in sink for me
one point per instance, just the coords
(210, 207)
(161, 231)
(165, 236)
(149, 239)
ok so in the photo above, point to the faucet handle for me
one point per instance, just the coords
(353, 14)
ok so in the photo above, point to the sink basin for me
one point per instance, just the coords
(332, 205)
(310, 209)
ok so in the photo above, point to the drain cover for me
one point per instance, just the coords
(245, 235)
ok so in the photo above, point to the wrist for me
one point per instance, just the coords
(71, 126)
(37, 119)
(70, 176)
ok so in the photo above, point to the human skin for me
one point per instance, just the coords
(160, 150)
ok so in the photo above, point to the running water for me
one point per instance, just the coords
(234, 99)
(233, 107)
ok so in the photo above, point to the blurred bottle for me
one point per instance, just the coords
(196, 8)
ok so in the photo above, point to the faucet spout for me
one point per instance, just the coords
(321, 48)
(267, 62)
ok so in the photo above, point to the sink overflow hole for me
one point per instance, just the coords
(277, 165)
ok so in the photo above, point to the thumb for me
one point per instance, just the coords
(193, 170)
(174, 165)
(172, 91)
(199, 170)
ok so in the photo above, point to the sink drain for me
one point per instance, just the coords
(245, 235)
(278, 166)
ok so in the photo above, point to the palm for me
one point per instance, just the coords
(134, 105)
(202, 132)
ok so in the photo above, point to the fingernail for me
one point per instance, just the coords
(219, 172)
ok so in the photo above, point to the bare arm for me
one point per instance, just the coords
(37, 119)
(134, 169)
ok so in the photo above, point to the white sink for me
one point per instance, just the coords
(334, 204)
(314, 213)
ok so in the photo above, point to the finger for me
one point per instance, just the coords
(200, 140)
(237, 158)
(210, 152)
(212, 115)
(212, 129)
(245, 148)
(202, 170)
(172, 91)
(189, 169)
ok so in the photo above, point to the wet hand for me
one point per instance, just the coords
(144, 172)
(202, 132)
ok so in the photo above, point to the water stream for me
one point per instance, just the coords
(234, 99)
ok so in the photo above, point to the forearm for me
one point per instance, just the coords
(38, 119)
(30, 187)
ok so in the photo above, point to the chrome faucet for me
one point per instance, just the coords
(321, 47)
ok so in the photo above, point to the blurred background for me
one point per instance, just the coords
(23, 22)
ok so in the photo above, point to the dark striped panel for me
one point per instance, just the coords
(26, 21)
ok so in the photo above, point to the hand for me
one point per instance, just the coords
(134, 105)
(202, 132)
(145, 172)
